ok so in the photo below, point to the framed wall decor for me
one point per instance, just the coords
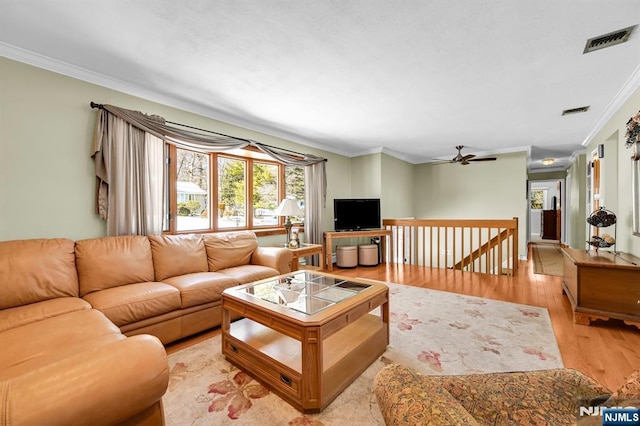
(635, 188)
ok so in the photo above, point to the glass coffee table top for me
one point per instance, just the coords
(305, 291)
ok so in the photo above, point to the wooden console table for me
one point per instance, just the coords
(602, 285)
(330, 236)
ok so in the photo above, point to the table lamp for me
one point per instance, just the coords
(288, 207)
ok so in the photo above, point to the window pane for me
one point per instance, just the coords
(537, 199)
(167, 191)
(231, 193)
(192, 189)
(265, 194)
(294, 187)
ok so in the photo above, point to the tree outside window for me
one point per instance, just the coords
(294, 187)
(265, 194)
(537, 199)
(231, 193)
(237, 189)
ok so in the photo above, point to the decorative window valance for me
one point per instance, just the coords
(209, 141)
(128, 156)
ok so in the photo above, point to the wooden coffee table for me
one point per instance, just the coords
(306, 335)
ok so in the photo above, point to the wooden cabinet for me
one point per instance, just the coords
(602, 285)
(550, 225)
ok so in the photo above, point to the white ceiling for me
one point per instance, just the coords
(412, 78)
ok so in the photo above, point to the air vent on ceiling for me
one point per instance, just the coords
(608, 40)
(575, 110)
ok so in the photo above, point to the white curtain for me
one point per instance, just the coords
(129, 170)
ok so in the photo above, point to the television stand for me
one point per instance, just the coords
(329, 236)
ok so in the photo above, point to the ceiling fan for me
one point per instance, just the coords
(465, 159)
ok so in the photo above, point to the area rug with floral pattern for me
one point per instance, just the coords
(433, 331)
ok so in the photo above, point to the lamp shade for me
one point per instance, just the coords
(289, 207)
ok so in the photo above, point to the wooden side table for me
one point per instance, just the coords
(306, 250)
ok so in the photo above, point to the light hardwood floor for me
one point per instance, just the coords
(608, 351)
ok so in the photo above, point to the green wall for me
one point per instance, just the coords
(576, 208)
(616, 178)
(365, 176)
(47, 182)
(484, 190)
(397, 178)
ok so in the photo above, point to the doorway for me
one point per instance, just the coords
(545, 210)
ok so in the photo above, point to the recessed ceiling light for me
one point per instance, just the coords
(548, 161)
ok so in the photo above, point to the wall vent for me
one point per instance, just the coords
(575, 110)
(608, 40)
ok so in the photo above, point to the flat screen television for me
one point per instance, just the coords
(356, 214)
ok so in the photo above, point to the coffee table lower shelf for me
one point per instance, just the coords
(310, 379)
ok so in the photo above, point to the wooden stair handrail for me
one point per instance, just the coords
(417, 241)
(481, 250)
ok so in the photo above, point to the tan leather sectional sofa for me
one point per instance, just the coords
(82, 324)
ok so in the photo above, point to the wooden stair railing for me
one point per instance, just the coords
(484, 249)
(476, 245)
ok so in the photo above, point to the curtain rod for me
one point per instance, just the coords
(101, 106)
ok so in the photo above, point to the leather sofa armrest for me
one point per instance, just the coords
(403, 393)
(279, 258)
(104, 386)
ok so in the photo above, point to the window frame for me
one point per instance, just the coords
(170, 213)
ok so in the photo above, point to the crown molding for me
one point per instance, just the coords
(69, 70)
(60, 67)
(629, 87)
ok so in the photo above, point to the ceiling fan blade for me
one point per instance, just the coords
(467, 157)
(484, 159)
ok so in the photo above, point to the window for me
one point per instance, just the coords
(232, 193)
(265, 194)
(238, 189)
(294, 187)
(537, 199)
(192, 191)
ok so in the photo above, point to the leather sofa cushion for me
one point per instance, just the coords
(134, 302)
(201, 288)
(249, 273)
(110, 384)
(175, 255)
(33, 312)
(113, 261)
(227, 249)
(34, 345)
(36, 270)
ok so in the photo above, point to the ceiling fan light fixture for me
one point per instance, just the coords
(548, 161)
